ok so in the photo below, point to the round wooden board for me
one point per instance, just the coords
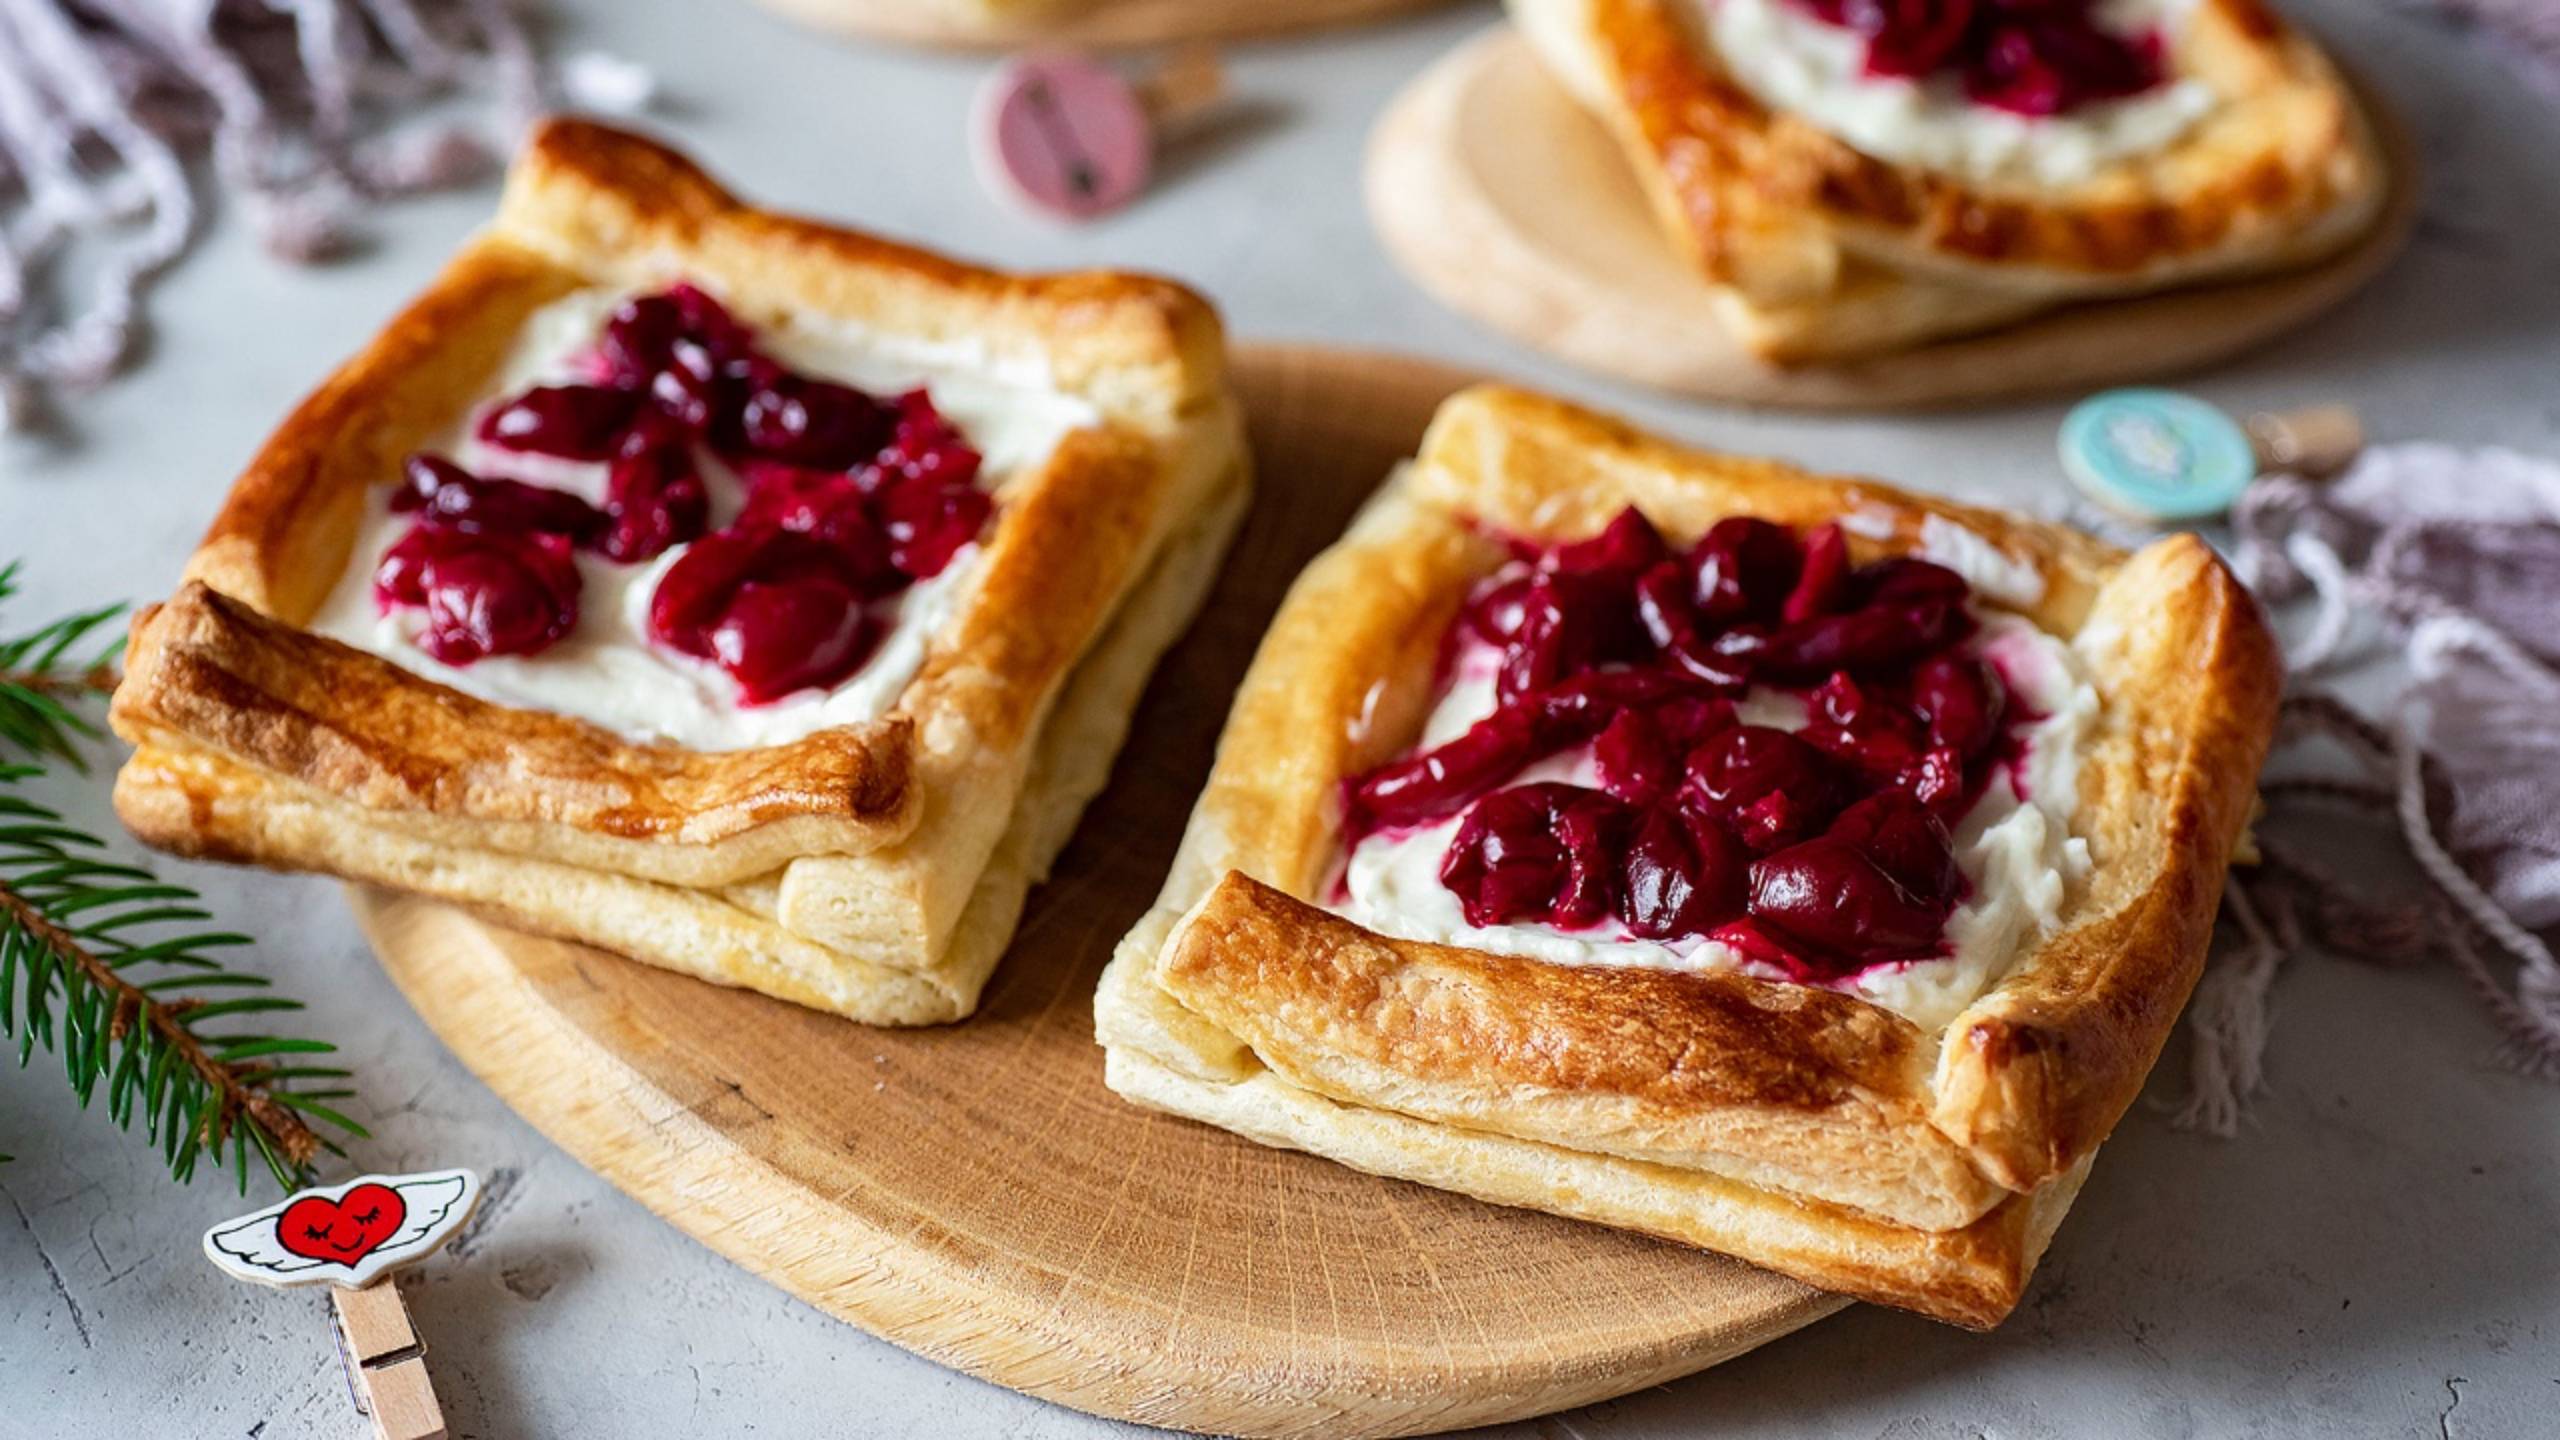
(1497, 193)
(974, 1194)
(1108, 24)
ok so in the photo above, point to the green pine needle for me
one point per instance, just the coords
(108, 966)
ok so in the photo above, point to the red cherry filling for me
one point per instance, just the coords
(575, 422)
(1683, 875)
(2030, 57)
(654, 498)
(1829, 896)
(776, 609)
(1536, 852)
(484, 593)
(813, 423)
(441, 492)
(1625, 645)
(850, 500)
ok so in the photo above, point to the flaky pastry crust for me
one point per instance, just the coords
(1828, 252)
(855, 868)
(1798, 1127)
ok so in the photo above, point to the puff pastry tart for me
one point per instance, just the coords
(1783, 865)
(745, 595)
(1860, 175)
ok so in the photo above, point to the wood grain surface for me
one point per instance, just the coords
(1109, 24)
(974, 1194)
(1498, 194)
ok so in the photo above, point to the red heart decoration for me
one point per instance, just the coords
(345, 1230)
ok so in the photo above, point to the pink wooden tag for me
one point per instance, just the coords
(1062, 135)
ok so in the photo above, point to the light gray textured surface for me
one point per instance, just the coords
(2380, 1255)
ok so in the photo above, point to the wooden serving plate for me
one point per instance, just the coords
(1501, 196)
(974, 1194)
(1107, 24)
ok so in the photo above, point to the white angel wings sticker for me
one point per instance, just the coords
(346, 1234)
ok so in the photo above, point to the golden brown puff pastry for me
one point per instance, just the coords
(873, 868)
(1800, 1127)
(1824, 250)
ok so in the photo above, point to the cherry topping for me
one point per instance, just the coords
(1828, 895)
(444, 493)
(1824, 582)
(680, 327)
(928, 522)
(1543, 852)
(484, 593)
(1744, 569)
(778, 638)
(1771, 787)
(776, 609)
(2031, 57)
(1905, 839)
(814, 423)
(1620, 643)
(654, 499)
(575, 422)
(2044, 61)
(828, 507)
(925, 447)
(1683, 875)
(1959, 701)
(1437, 782)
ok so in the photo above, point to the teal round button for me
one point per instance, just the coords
(2157, 453)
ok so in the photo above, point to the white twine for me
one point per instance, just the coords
(2351, 547)
(295, 99)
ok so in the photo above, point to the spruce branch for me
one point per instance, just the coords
(110, 966)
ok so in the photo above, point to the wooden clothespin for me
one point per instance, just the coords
(350, 1237)
(1067, 136)
(2160, 455)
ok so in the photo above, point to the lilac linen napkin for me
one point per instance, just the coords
(2452, 558)
(301, 103)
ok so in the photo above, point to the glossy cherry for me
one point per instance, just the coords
(1544, 852)
(2047, 59)
(1766, 784)
(1441, 780)
(1822, 586)
(1905, 839)
(1682, 875)
(574, 422)
(1619, 643)
(654, 498)
(1827, 894)
(924, 448)
(927, 522)
(446, 494)
(774, 608)
(1744, 569)
(484, 593)
(1959, 701)
(813, 423)
(780, 638)
(2031, 57)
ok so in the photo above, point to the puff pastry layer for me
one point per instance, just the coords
(1797, 1127)
(1822, 251)
(876, 869)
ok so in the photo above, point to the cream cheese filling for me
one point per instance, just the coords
(2015, 848)
(1794, 62)
(607, 670)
